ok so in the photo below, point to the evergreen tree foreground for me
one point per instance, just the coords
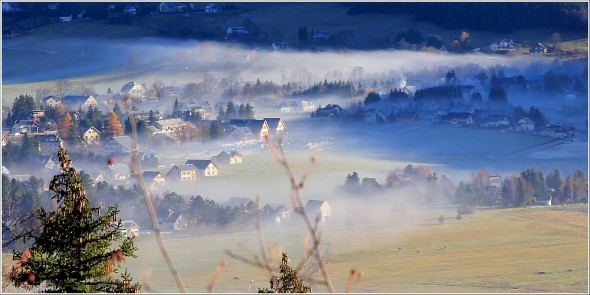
(288, 282)
(76, 249)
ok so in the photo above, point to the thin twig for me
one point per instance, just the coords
(248, 261)
(136, 169)
(261, 238)
(216, 274)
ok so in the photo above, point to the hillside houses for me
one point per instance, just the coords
(289, 106)
(91, 136)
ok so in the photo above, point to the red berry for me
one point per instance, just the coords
(111, 160)
(352, 272)
(31, 277)
(313, 160)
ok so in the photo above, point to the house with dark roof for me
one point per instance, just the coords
(73, 103)
(173, 221)
(204, 167)
(182, 173)
(259, 128)
(117, 144)
(154, 179)
(50, 143)
(129, 228)
(275, 211)
(319, 208)
(539, 49)
(91, 135)
(228, 158)
(329, 111)
(457, 118)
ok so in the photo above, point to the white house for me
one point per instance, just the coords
(50, 143)
(65, 19)
(171, 126)
(525, 124)
(204, 167)
(136, 91)
(91, 135)
(319, 208)
(130, 228)
(51, 101)
(182, 173)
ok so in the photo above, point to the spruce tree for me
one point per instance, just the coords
(76, 248)
(288, 282)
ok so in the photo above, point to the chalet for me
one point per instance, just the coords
(213, 8)
(73, 103)
(134, 91)
(154, 179)
(182, 173)
(539, 49)
(525, 124)
(259, 128)
(130, 228)
(117, 144)
(129, 10)
(50, 143)
(91, 136)
(374, 116)
(44, 162)
(495, 120)
(228, 158)
(117, 172)
(204, 167)
(275, 125)
(171, 126)
(275, 211)
(174, 221)
(319, 208)
(455, 118)
(51, 101)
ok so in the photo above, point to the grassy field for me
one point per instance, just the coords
(515, 250)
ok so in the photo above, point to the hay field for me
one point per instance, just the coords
(539, 249)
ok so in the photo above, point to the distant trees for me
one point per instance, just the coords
(497, 95)
(434, 41)
(63, 88)
(372, 97)
(410, 36)
(21, 108)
